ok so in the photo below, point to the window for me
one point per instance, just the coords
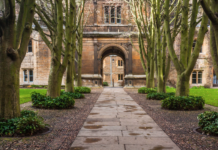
(30, 47)
(119, 14)
(197, 77)
(120, 76)
(31, 75)
(120, 62)
(25, 76)
(194, 44)
(28, 75)
(113, 14)
(106, 14)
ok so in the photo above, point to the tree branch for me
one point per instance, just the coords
(209, 12)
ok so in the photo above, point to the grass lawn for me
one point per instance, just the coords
(210, 95)
(25, 94)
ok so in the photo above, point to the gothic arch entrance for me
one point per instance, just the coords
(123, 51)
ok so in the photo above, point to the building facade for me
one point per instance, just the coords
(106, 33)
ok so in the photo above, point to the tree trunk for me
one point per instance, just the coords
(54, 82)
(9, 86)
(182, 86)
(79, 78)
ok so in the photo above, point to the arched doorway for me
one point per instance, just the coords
(113, 49)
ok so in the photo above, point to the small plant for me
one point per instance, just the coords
(28, 124)
(208, 122)
(198, 87)
(73, 95)
(43, 101)
(159, 96)
(82, 90)
(144, 90)
(105, 84)
(36, 86)
(183, 103)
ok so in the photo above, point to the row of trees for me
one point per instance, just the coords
(159, 22)
(60, 25)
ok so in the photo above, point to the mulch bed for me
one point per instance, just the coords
(65, 125)
(178, 125)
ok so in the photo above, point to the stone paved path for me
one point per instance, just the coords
(117, 122)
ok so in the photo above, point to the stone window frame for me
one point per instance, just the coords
(28, 75)
(30, 46)
(109, 12)
(120, 77)
(197, 78)
(120, 63)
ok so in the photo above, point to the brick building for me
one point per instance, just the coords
(106, 34)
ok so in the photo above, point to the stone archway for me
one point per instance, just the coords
(124, 50)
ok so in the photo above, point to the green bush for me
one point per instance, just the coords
(105, 84)
(145, 90)
(82, 90)
(73, 95)
(159, 96)
(28, 124)
(198, 87)
(43, 101)
(183, 103)
(36, 86)
(208, 122)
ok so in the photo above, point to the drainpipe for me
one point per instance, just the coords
(111, 69)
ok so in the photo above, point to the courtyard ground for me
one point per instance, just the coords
(178, 125)
(117, 122)
(65, 125)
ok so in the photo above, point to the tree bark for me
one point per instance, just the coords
(55, 80)
(9, 85)
(80, 70)
(14, 39)
(182, 86)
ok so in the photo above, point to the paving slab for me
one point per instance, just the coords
(104, 128)
(99, 133)
(96, 141)
(117, 122)
(152, 147)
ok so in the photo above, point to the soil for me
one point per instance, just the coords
(65, 126)
(178, 125)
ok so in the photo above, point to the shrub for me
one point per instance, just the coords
(36, 86)
(183, 103)
(105, 84)
(28, 124)
(82, 90)
(73, 95)
(208, 122)
(26, 113)
(42, 101)
(145, 90)
(198, 87)
(159, 96)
